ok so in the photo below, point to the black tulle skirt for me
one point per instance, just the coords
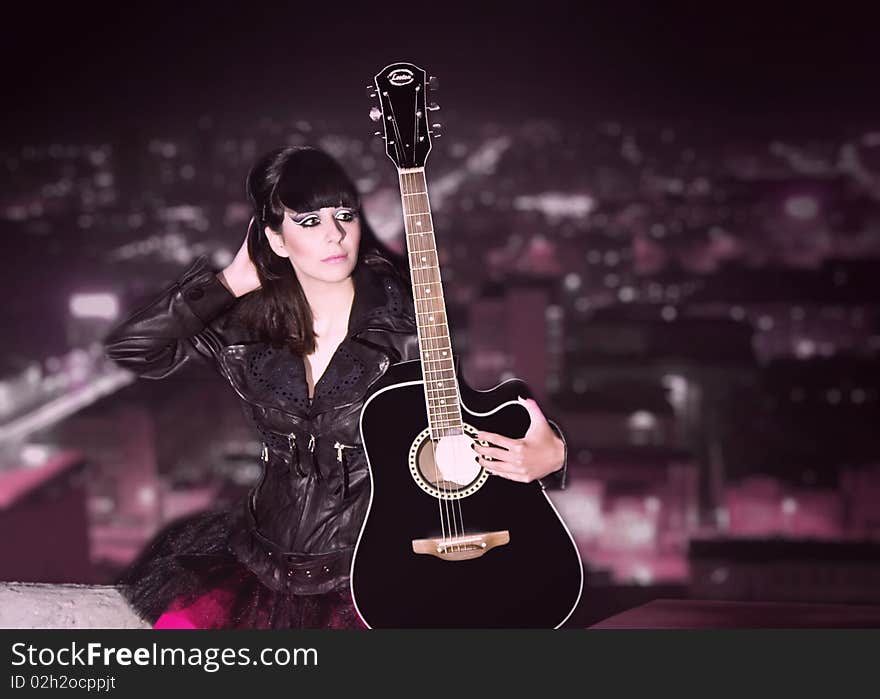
(187, 577)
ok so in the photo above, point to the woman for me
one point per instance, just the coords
(311, 311)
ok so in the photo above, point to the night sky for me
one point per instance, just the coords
(83, 71)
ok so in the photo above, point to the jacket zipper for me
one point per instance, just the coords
(338, 446)
(294, 455)
(264, 456)
(316, 469)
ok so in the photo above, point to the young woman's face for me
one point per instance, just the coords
(320, 244)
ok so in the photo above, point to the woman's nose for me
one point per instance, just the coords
(337, 232)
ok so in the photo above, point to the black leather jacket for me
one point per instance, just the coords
(300, 523)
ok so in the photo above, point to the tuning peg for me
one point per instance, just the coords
(436, 126)
(433, 107)
(371, 91)
(379, 134)
(376, 114)
(434, 83)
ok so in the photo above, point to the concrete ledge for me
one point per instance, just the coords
(47, 606)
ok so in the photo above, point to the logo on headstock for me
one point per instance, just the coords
(400, 76)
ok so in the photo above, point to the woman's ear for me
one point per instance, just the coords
(276, 242)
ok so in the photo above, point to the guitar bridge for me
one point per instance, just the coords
(461, 548)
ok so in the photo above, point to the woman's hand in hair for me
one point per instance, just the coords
(240, 277)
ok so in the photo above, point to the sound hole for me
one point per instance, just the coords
(446, 467)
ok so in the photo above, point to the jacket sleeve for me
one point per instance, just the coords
(558, 479)
(160, 338)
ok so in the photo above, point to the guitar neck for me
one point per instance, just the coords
(438, 369)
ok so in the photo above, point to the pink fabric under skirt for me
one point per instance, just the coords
(210, 611)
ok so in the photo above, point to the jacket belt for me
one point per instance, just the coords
(305, 573)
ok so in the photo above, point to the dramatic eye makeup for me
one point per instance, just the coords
(310, 219)
(305, 220)
(346, 215)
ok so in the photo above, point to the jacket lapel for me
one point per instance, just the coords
(274, 378)
(379, 306)
(267, 376)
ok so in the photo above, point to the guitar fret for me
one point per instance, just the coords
(451, 408)
(435, 419)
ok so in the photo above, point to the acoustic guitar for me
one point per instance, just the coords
(444, 544)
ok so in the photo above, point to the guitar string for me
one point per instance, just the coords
(440, 500)
(450, 501)
(419, 275)
(457, 444)
(458, 527)
(397, 145)
(444, 525)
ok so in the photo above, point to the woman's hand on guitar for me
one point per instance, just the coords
(539, 453)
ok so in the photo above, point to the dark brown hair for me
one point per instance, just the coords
(301, 179)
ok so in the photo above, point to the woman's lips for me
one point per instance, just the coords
(335, 258)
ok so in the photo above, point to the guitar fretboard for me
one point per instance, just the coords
(441, 385)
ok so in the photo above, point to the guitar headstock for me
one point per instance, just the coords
(401, 88)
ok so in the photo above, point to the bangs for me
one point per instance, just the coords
(312, 181)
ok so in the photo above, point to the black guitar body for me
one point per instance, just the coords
(532, 581)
